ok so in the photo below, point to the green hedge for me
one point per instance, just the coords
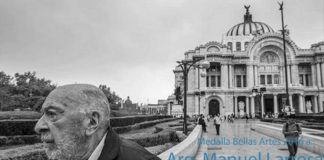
(26, 127)
(14, 140)
(141, 125)
(36, 155)
(130, 120)
(159, 138)
(17, 127)
(28, 152)
(7, 115)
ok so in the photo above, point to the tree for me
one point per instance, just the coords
(29, 85)
(178, 94)
(23, 90)
(6, 88)
(111, 96)
(5, 80)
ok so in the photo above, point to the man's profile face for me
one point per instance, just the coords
(61, 127)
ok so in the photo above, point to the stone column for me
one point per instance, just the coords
(256, 79)
(252, 107)
(282, 76)
(196, 104)
(249, 77)
(224, 76)
(290, 101)
(247, 105)
(301, 104)
(203, 80)
(313, 75)
(294, 74)
(235, 105)
(196, 77)
(315, 104)
(319, 78)
(304, 103)
(322, 74)
(275, 104)
(262, 106)
(320, 103)
(230, 76)
(289, 74)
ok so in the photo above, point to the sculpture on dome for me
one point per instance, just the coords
(247, 16)
(247, 8)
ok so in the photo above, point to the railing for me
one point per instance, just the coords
(187, 148)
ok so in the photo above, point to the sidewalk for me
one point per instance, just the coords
(237, 139)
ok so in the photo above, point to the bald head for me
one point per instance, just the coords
(75, 118)
(83, 96)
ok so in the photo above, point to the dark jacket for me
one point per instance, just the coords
(117, 148)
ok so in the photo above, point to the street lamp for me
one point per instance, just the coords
(260, 92)
(185, 66)
(283, 32)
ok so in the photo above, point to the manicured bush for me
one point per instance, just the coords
(28, 152)
(175, 125)
(130, 120)
(17, 127)
(160, 138)
(21, 139)
(158, 129)
(141, 125)
(26, 127)
(19, 115)
(163, 138)
(160, 148)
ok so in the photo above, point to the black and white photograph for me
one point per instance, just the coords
(162, 80)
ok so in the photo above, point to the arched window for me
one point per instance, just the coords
(305, 74)
(240, 76)
(245, 45)
(230, 45)
(213, 78)
(213, 49)
(269, 69)
(238, 46)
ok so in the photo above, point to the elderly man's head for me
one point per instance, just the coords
(75, 118)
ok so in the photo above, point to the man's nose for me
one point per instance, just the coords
(41, 126)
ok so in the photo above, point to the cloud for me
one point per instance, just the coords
(131, 46)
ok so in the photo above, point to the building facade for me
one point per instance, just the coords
(251, 56)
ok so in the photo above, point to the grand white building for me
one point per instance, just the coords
(250, 56)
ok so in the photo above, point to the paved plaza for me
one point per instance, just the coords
(237, 139)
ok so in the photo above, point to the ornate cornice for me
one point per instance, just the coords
(264, 36)
(214, 43)
(208, 44)
(317, 44)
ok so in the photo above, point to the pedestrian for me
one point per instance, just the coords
(202, 122)
(291, 130)
(217, 123)
(247, 118)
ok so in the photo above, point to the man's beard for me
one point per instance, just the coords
(70, 147)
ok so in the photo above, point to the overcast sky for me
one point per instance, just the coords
(131, 45)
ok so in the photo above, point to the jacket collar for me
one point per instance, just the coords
(111, 147)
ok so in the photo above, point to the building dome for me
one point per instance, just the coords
(248, 26)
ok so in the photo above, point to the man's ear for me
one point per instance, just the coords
(93, 123)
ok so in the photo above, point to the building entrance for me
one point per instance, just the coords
(268, 105)
(214, 107)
